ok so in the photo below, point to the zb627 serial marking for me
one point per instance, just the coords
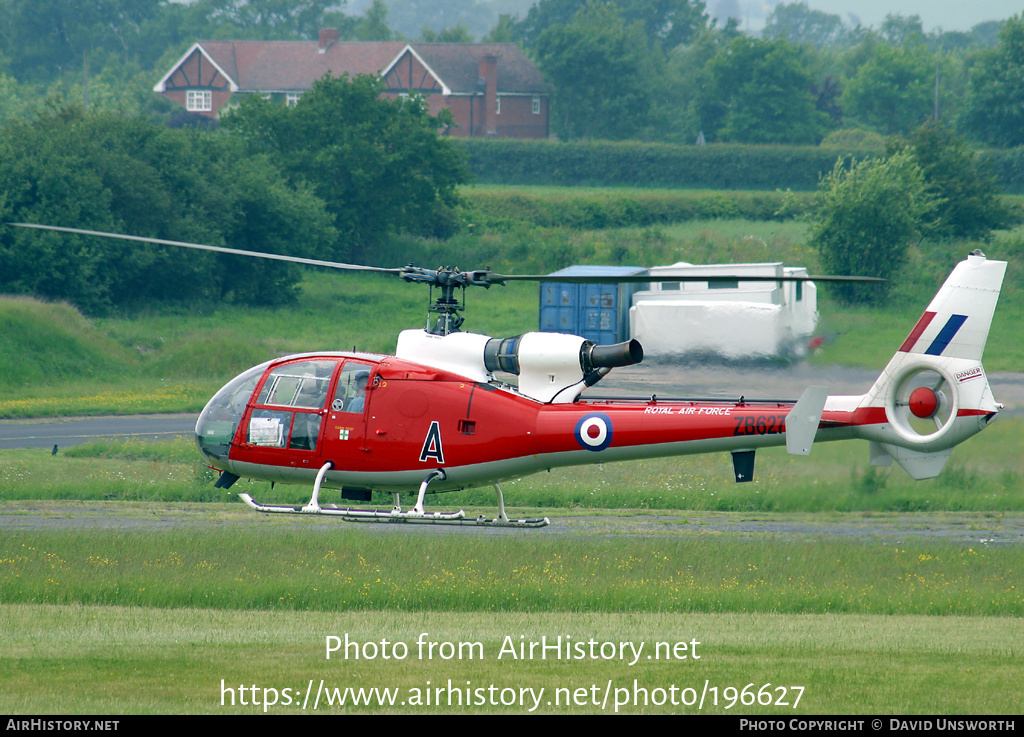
(760, 425)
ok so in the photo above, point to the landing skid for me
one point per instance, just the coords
(416, 515)
(365, 515)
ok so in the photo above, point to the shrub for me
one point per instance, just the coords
(865, 219)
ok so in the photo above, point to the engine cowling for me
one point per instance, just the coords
(554, 367)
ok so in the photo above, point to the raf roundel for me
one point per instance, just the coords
(594, 431)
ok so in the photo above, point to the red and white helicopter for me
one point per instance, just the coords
(437, 417)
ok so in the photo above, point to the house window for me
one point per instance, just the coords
(199, 101)
(536, 106)
(292, 99)
(497, 105)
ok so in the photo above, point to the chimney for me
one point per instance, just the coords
(489, 74)
(328, 36)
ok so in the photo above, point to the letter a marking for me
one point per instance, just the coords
(432, 444)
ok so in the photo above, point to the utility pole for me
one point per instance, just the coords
(85, 79)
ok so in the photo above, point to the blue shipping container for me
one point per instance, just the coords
(597, 312)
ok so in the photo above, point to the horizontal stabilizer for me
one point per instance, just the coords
(802, 421)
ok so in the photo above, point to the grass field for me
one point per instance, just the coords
(272, 565)
(163, 619)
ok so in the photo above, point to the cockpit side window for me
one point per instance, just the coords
(303, 388)
(303, 384)
(269, 428)
(350, 394)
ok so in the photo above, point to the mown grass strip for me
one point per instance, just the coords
(343, 567)
(130, 660)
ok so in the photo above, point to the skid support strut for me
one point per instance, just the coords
(502, 519)
(314, 503)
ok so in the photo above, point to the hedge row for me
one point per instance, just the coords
(504, 210)
(718, 166)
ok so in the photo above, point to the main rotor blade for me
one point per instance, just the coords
(217, 249)
(649, 278)
(453, 277)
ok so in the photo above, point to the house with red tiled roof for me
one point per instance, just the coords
(493, 90)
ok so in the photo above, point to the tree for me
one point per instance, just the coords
(827, 93)
(666, 23)
(373, 24)
(377, 163)
(899, 30)
(504, 31)
(673, 116)
(798, 24)
(260, 19)
(986, 33)
(995, 102)
(893, 91)
(598, 67)
(966, 196)
(17, 101)
(43, 38)
(457, 35)
(865, 218)
(130, 175)
(761, 92)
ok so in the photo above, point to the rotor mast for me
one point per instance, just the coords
(447, 306)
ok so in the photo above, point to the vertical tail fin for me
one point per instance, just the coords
(934, 393)
(957, 321)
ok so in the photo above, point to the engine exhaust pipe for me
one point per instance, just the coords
(611, 356)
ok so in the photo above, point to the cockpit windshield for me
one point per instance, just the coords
(219, 419)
